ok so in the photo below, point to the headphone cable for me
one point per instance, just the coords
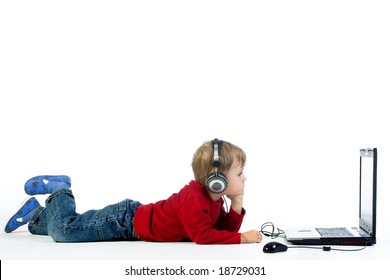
(226, 204)
(272, 232)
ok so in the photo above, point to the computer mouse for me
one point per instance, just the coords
(274, 247)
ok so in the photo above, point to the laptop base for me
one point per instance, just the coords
(335, 241)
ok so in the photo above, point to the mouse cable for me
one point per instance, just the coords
(327, 248)
(268, 229)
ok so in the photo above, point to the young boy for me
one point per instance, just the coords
(196, 213)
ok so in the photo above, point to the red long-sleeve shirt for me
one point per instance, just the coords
(190, 215)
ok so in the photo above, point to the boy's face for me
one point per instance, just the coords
(236, 180)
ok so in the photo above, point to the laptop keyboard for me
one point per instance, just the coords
(334, 232)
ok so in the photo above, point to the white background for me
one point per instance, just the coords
(119, 95)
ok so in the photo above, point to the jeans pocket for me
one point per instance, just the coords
(112, 230)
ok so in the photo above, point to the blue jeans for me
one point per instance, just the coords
(60, 220)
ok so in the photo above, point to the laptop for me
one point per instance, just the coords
(362, 235)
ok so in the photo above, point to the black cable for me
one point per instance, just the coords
(226, 205)
(272, 232)
(346, 250)
(308, 247)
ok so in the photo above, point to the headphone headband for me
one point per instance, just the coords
(217, 144)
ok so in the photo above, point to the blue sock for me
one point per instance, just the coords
(53, 186)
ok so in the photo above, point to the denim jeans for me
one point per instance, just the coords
(60, 220)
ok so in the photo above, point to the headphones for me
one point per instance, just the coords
(216, 182)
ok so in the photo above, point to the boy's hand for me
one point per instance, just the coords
(237, 202)
(237, 198)
(252, 236)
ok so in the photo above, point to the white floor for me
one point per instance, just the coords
(21, 245)
(22, 253)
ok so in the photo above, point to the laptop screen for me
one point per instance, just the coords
(368, 190)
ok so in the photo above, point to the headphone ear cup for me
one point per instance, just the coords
(216, 182)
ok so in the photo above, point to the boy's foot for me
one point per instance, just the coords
(23, 215)
(46, 184)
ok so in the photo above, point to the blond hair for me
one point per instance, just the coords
(203, 159)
